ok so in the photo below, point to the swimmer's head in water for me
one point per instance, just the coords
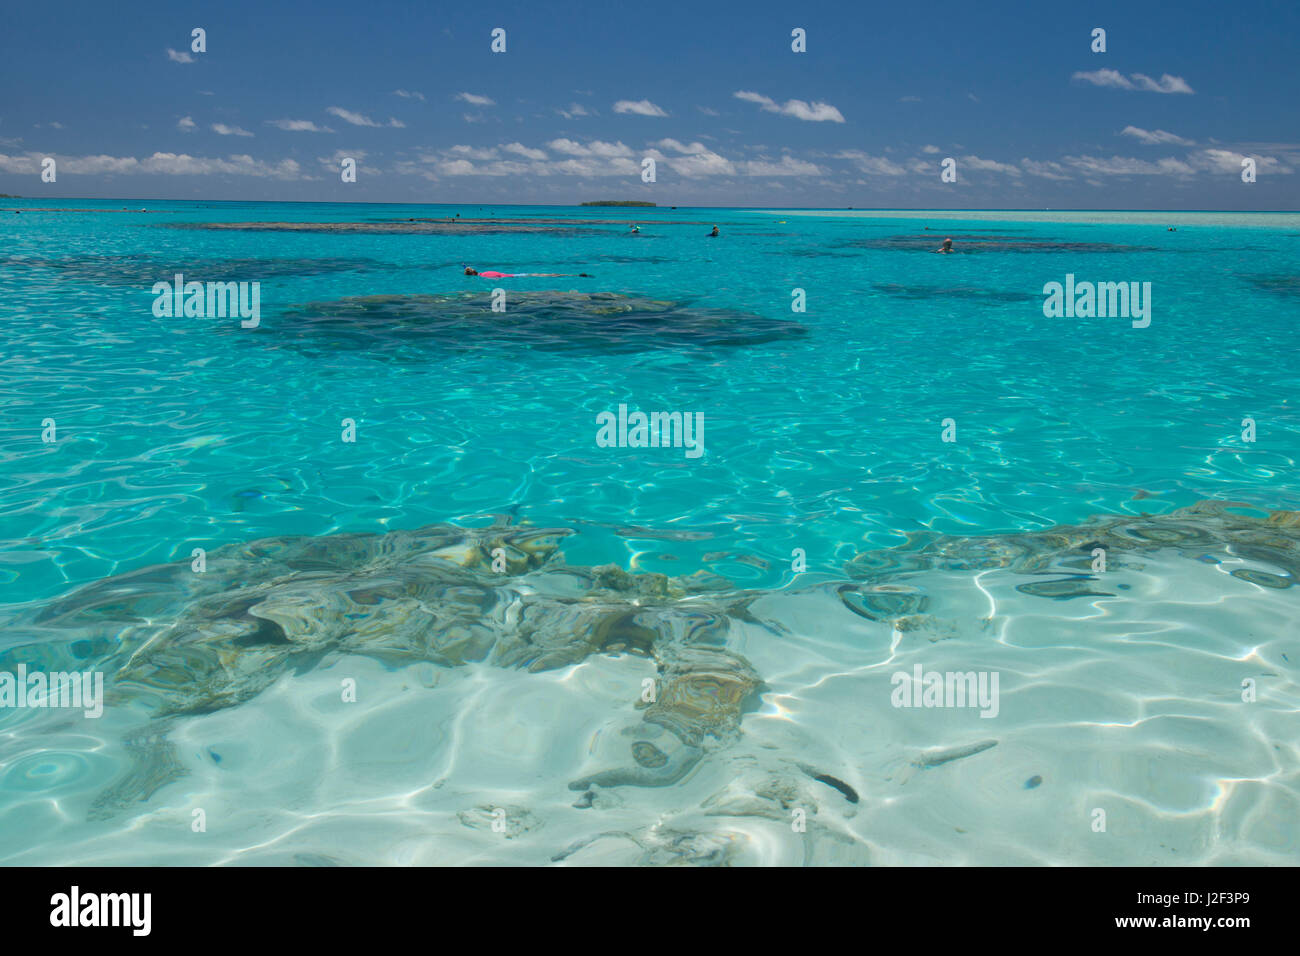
(947, 245)
(470, 271)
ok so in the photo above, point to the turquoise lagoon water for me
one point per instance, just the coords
(1120, 691)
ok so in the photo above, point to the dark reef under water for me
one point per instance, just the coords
(143, 271)
(435, 227)
(418, 327)
(965, 293)
(179, 643)
(984, 242)
(1284, 285)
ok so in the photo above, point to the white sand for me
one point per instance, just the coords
(1129, 704)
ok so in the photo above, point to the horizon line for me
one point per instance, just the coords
(575, 205)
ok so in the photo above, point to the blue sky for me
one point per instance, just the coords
(711, 91)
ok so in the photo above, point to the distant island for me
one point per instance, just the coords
(619, 202)
(7, 196)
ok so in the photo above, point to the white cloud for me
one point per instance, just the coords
(356, 119)
(1217, 162)
(1134, 81)
(473, 99)
(575, 111)
(1275, 147)
(788, 166)
(519, 149)
(812, 112)
(707, 112)
(989, 165)
(473, 152)
(1155, 137)
(567, 146)
(595, 167)
(333, 161)
(186, 124)
(1044, 170)
(930, 149)
(161, 164)
(678, 147)
(585, 167)
(1229, 161)
(692, 160)
(240, 165)
(225, 130)
(597, 158)
(1112, 78)
(638, 107)
(608, 150)
(409, 95)
(503, 167)
(594, 148)
(1166, 84)
(298, 126)
(457, 167)
(178, 57)
(1126, 166)
(707, 163)
(874, 165)
(31, 163)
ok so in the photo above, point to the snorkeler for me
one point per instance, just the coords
(946, 247)
(490, 274)
(635, 227)
(713, 233)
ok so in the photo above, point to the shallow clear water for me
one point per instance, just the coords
(823, 432)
